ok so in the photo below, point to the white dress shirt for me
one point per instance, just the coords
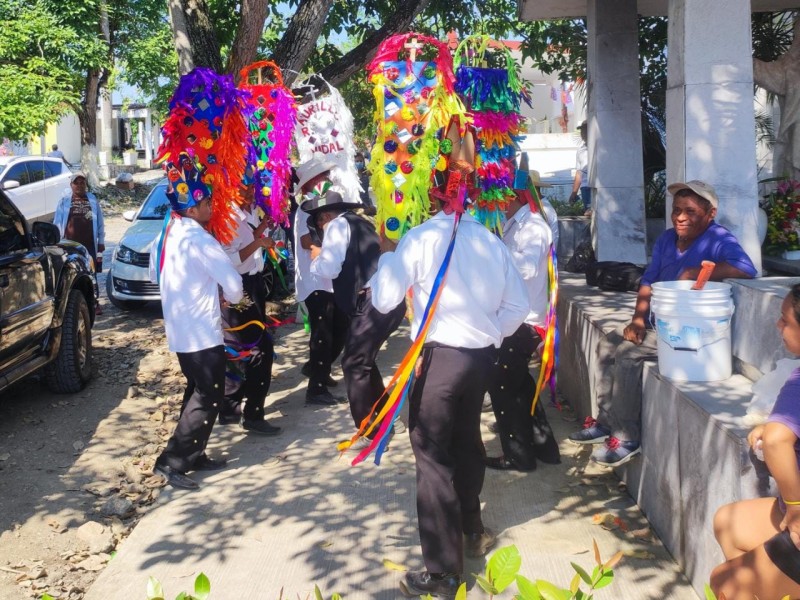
(483, 299)
(334, 248)
(528, 237)
(305, 282)
(243, 237)
(551, 216)
(194, 265)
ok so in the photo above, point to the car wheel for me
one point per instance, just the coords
(121, 304)
(72, 368)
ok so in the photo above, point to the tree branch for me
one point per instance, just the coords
(300, 38)
(252, 16)
(341, 70)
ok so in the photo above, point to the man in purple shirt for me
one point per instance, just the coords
(677, 254)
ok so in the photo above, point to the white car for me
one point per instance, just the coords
(128, 284)
(35, 184)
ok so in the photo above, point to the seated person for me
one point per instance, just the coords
(760, 537)
(677, 254)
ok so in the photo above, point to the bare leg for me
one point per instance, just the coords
(752, 575)
(742, 526)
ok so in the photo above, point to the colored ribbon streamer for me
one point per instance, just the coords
(401, 381)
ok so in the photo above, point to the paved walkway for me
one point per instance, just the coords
(289, 513)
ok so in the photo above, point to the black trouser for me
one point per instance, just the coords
(328, 324)
(249, 378)
(524, 437)
(367, 332)
(205, 374)
(444, 424)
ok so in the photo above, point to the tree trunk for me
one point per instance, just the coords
(341, 70)
(301, 36)
(87, 117)
(195, 39)
(252, 16)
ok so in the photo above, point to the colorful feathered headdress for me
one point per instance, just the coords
(324, 130)
(492, 97)
(204, 130)
(186, 180)
(414, 100)
(271, 114)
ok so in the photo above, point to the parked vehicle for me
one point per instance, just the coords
(47, 303)
(128, 284)
(34, 184)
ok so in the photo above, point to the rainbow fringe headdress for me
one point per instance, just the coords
(414, 99)
(206, 126)
(271, 114)
(325, 130)
(492, 97)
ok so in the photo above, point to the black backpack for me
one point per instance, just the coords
(614, 276)
(582, 259)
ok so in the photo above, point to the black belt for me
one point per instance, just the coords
(439, 345)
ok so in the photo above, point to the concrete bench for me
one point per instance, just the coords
(694, 452)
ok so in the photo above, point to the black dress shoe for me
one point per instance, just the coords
(206, 463)
(444, 585)
(501, 463)
(229, 419)
(175, 478)
(323, 399)
(330, 382)
(263, 427)
(478, 544)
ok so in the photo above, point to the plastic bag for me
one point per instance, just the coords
(766, 389)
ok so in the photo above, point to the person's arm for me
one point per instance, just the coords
(392, 279)
(305, 241)
(636, 329)
(576, 186)
(60, 216)
(220, 268)
(778, 444)
(721, 271)
(327, 261)
(101, 228)
(530, 243)
(515, 304)
(259, 242)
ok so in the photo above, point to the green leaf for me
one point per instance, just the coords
(485, 584)
(182, 596)
(317, 593)
(503, 567)
(584, 575)
(527, 589)
(154, 589)
(202, 586)
(551, 592)
(709, 593)
(336, 596)
(461, 594)
(605, 579)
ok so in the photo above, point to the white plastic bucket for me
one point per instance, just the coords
(694, 330)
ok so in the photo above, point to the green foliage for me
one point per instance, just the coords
(783, 217)
(202, 589)
(655, 196)
(565, 208)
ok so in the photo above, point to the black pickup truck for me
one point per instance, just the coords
(47, 304)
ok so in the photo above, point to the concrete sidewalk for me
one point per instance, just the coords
(289, 513)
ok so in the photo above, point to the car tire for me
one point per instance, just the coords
(121, 304)
(72, 368)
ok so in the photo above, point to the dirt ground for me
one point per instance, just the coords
(75, 470)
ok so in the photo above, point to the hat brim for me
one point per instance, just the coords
(307, 206)
(313, 168)
(674, 188)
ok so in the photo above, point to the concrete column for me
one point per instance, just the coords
(710, 119)
(148, 138)
(615, 131)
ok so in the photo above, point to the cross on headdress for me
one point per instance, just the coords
(413, 46)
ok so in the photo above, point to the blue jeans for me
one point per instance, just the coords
(586, 196)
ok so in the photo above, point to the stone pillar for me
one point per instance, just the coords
(710, 118)
(148, 138)
(615, 131)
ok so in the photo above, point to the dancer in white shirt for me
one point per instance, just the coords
(245, 326)
(483, 300)
(192, 266)
(523, 437)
